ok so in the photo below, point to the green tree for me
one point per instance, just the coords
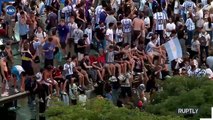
(184, 92)
(100, 109)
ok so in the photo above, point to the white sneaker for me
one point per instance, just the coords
(63, 93)
(5, 94)
(121, 77)
(12, 108)
(41, 100)
(48, 102)
(95, 85)
(7, 86)
(128, 75)
(15, 90)
(114, 79)
(48, 97)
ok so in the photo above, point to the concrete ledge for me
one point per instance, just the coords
(14, 97)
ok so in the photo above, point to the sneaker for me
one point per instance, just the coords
(121, 77)
(63, 93)
(12, 108)
(48, 102)
(5, 94)
(128, 75)
(15, 90)
(48, 97)
(80, 88)
(113, 79)
(41, 100)
(7, 86)
(95, 85)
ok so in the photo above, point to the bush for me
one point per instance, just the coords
(184, 92)
(99, 109)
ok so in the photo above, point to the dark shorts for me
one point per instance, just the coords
(56, 51)
(23, 37)
(63, 45)
(59, 80)
(126, 91)
(68, 77)
(48, 62)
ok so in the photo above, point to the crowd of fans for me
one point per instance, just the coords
(111, 45)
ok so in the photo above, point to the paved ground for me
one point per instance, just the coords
(24, 112)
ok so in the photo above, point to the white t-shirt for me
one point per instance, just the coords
(160, 18)
(109, 33)
(19, 68)
(194, 46)
(170, 26)
(209, 62)
(98, 11)
(176, 7)
(206, 26)
(41, 8)
(209, 73)
(89, 33)
(119, 35)
(127, 25)
(67, 9)
(82, 99)
(150, 46)
(40, 35)
(207, 36)
(147, 21)
(68, 68)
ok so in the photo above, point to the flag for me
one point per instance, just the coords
(173, 49)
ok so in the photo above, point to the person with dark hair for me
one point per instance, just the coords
(190, 25)
(51, 20)
(63, 32)
(82, 45)
(159, 23)
(27, 59)
(119, 34)
(49, 49)
(77, 35)
(5, 77)
(111, 18)
(127, 28)
(208, 26)
(49, 81)
(110, 35)
(138, 29)
(99, 36)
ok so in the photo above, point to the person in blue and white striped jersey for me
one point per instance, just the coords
(188, 5)
(127, 29)
(159, 23)
(190, 25)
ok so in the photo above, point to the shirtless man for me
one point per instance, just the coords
(138, 29)
(56, 42)
(5, 77)
(49, 81)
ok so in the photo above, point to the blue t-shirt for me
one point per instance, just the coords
(49, 53)
(103, 16)
(63, 31)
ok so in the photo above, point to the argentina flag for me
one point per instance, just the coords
(173, 49)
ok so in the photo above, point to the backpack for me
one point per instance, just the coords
(202, 41)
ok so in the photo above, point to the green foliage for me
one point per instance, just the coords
(100, 109)
(184, 92)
